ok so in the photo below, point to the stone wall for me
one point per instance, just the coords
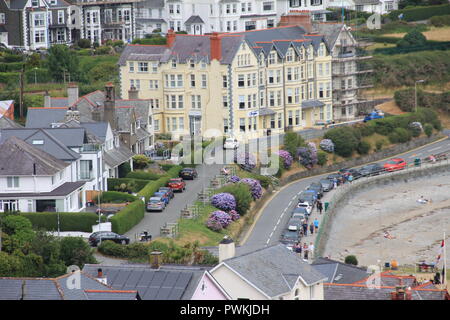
(344, 193)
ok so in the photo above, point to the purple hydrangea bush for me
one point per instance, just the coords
(255, 187)
(327, 145)
(218, 220)
(287, 158)
(234, 179)
(245, 159)
(234, 215)
(307, 156)
(224, 201)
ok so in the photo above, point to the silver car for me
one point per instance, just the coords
(156, 204)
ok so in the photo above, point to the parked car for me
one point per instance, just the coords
(395, 164)
(188, 173)
(99, 236)
(306, 205)
(316, 187)
(345, 172)
(314, 193)
(375, 114)
(177, 184)
(156, 204)
(337, 176)
(327, 185)
(163, 195)
(300, 212)
(231, 143)
(295, 224)
(369, 170)
(168, 190)
(290, 237)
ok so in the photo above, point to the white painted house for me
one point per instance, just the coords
(31, 180)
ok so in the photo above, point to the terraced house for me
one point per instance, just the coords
(248, 84)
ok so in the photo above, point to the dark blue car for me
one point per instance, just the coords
(164, 195)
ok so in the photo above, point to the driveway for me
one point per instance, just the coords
(153, 221)
(267, 230)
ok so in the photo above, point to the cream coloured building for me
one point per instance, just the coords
(247, 84)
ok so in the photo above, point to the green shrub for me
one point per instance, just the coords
(367, 129)
(68, 221)
(115, 184)
(363, 147)
(292, 141)
(128, 217)
(143, 175)
(116, 197)
(9, 78)
(141, 161)
(351, 260)
(124, 169)
(322, 158)
(42, 75)
(411, 39)
(428, 129)
(84, 43)
(399, 135)
(241, 193)
(440, 21)
(111, 248)
(11, 57)
(11, 67)
(167, 167)
(102, 50)
(345, 140)
(174, 171)
(379, 145)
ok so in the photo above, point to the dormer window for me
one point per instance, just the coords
(174, 63)
(192, 63)
(35, 3)
(38, 142)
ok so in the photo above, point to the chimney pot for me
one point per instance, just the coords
(99, 273)
(227, 249)
(215, 46)
(154, 259)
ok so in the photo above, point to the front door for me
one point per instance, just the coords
(195, 125)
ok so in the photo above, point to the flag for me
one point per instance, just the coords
(441, 249)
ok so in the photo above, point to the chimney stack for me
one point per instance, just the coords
(109, 111)
(72, 93)
(215, 46)
(401, 293)
(133, 93)
(300, 18)
(154, 259)
(170, 38)
(226, 249)
(47, 100)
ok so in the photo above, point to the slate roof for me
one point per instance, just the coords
(59, 102)
(58, 289)
(274, 270)
(194, 19)
(166, 283)
(62, 191)
(339, 272)
(117, 156)
(7, 123)
(331, 31)
(366, 2)
(52, 145)
(306, 104)
(44, 117)
(141, 107)
(19, 158)
(18, 4)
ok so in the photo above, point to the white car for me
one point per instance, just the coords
(231, 143)
(305, 205)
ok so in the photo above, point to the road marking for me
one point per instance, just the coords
(293, 198)
(290, 202)
(437, 148)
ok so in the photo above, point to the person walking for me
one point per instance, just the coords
(305, 228)
(335, 183)
(316, 225)
(311, 249)
(350, 178)
(319, 206)
(305, 250)
(311, 228)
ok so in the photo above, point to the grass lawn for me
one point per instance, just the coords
(436, 34)
(380, 45)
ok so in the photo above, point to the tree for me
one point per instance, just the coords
(345, 140)
(428, 130)
(75, 251)
(84, 43)
(61, 61)
(292, 141)
(363, 147)
(140, 161)
(351, 259)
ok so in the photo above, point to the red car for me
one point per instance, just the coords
(395, 164)
(177, 184)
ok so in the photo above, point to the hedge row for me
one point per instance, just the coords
(143, 175)
(68, 221)
(40, 75)
(430, 46)
(420, 13)
(116, 197)
(128, 217)
(9, 77)
(12, 66)
(152, 187)
(136, 184)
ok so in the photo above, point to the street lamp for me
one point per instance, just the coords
(415, 92)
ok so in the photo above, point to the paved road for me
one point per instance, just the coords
(273, 219)
(154, 220)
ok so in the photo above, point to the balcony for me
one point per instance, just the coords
(91, 148)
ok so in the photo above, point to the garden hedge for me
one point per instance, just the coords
(128, 217)
(152, 187)
(420, 13)
(143, 175)
(11, 67)
(138, 184)
(68, 221)
(116, 197)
